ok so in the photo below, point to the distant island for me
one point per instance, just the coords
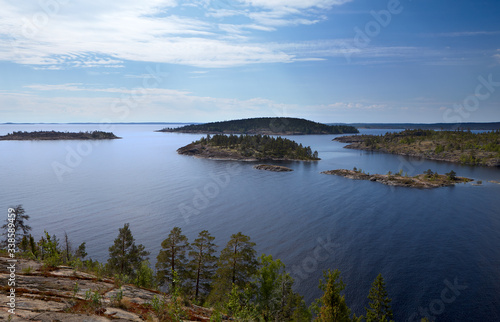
(53, 135)
(462, 147)
(428, 126)
(274, 168)
(265, 126)
(428, 179)
(248, 148)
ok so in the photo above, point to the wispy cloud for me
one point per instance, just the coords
(80, 33)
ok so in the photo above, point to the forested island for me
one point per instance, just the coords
(429, 179)
(463, 147)
(265, 125)
(54, 135)
(248, 148)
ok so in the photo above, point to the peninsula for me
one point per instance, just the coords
(265, 126)
(463, 147)
(53, 135)
(248, 148)
(428, 179)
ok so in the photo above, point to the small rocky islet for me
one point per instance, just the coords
(425, 180)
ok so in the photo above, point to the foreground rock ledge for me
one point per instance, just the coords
(275, 168)
(419, 181)
(50, 295)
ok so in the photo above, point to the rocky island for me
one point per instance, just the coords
(274, 168)
(463, 147)
(54, 135)
(265, 126)
(428, 179)
(248, 148)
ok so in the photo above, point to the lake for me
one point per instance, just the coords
(438, 250)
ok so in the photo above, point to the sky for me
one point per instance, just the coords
(331, 61)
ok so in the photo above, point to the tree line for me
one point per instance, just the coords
(271, 125)
(261, 146)
(236, 283)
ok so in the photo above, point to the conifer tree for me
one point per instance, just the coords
(17, 218)
(125, 256)
(172, 258)
(203, 261)
(332, 306)
(380, 307)
(236, 265)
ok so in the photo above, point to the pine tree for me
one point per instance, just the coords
(380, 307)
(203, 261)
(238, 259)
(331, 306)
(125, 256)
(172, 257)
(17, 218)
(81, 252)
(236, 265)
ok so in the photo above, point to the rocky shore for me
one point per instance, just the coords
(61, 294)
(419, 181)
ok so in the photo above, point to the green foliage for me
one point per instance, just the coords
(452, 175)
(49, 250)
(203, 262)
(81, 252)
(125, 256)
(277, 125)
(240, 304)
(94, 298)
(380, 307)
(172, 258)
(261, 146)
(236, 265)
(331, 306)
(275, 299)
(145, 276)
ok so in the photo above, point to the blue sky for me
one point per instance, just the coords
(198, 61)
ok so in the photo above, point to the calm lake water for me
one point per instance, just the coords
(424, 242)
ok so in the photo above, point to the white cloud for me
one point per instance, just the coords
(83, 33)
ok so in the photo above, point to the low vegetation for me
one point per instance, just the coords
(265, 125)
(463, 147)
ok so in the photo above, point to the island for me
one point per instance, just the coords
(459, 146)
(428, 179)
(248, 148)
(54, 135)
(264, 126)
(274, 168)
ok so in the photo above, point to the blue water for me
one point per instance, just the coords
(420, 240)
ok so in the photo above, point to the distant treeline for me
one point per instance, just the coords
(54, 135)
(265, 125)
(433, 126)
(261, 146)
